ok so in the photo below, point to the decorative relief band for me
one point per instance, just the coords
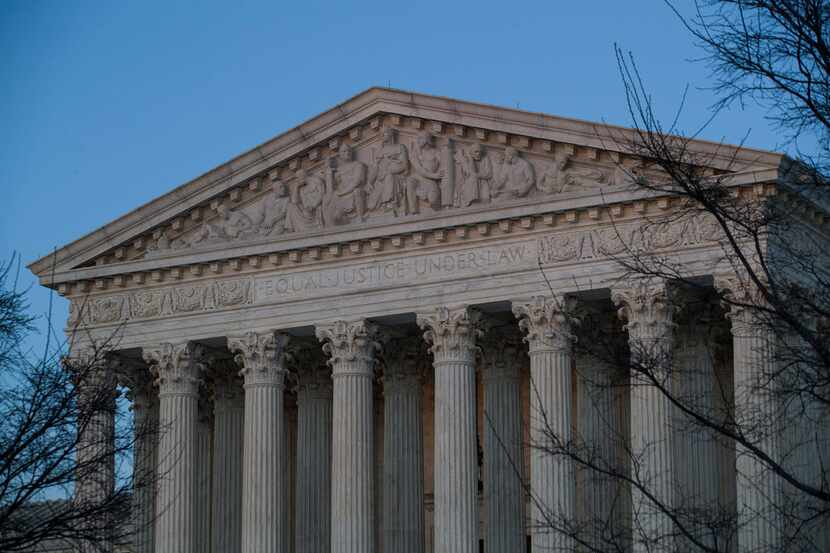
(550, 249)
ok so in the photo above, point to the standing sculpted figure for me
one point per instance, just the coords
(517, 175)
(476, 176)
(424, 184)
(345, 196)
(388, 174)
(274, 216)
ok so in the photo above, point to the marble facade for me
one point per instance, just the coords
(347, 333)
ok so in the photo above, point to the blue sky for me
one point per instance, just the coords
(106, 105)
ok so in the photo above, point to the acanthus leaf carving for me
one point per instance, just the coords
(452, 332)
(178, 367)
(261, 356)
(548, 322)
(351, 345)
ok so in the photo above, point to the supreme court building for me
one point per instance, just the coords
(349, 334)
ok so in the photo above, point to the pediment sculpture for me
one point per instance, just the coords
(402, 175)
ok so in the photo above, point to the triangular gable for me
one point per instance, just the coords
(292, 190)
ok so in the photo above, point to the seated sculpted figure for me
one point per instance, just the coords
(424, 184)
(274, 216)
(517, 176)
(476, 176)
(345, 195)
(388, 175)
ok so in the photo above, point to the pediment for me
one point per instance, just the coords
(383, 162)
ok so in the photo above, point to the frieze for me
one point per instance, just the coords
(578, 245)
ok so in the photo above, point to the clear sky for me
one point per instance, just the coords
(106, 105)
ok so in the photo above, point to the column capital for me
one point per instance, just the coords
(452, 332)
(548, 322)
(351, 345)
(312, 370)
(177, 367)
(404, 364)
(742, 300)
(261, 356)
(646, 305)
(502, 355)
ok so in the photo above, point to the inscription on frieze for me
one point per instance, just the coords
(384, 274)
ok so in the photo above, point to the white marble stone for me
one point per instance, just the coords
(548, 322)
(314, 439)
(452, 333)
(648, 311)
(262, 357)
(403, 468)
(229, 427)
(179, 368)
(504, 357)
(352, 347)
(146, 424)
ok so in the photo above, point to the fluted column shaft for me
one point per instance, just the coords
(314, 439)
(403, 465)
(145, 423)
(290, 476)
(203, 476)
(648, 311)
(179, 368)
(503, 491)
(262, 356)
(548, 327)
(760, 493)
(697, 453)
(352, 347)
(229, 427)
(600, 431)
(452, 333)
(95, 468)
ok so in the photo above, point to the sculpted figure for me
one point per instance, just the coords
(517, 176)
(274, 217)
(424, 184)
(562, 176)
(476, 176)
(304, 209)
(388, 174)
(230, 225)
(345, 180)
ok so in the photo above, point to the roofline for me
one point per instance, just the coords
(346, 114)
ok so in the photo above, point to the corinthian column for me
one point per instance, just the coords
(403, 456)
(549, 336)
(503, 492)
(145, 422)
(313, 513)
(95, 455)
(760, 493)
(179, 367)
(229, 427)
(452, 333)
(646, 308)
(262, 357)
(352, 348)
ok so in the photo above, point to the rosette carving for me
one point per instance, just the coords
(547, 322)
(177, 367)
(261, 356)
(452, 332)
